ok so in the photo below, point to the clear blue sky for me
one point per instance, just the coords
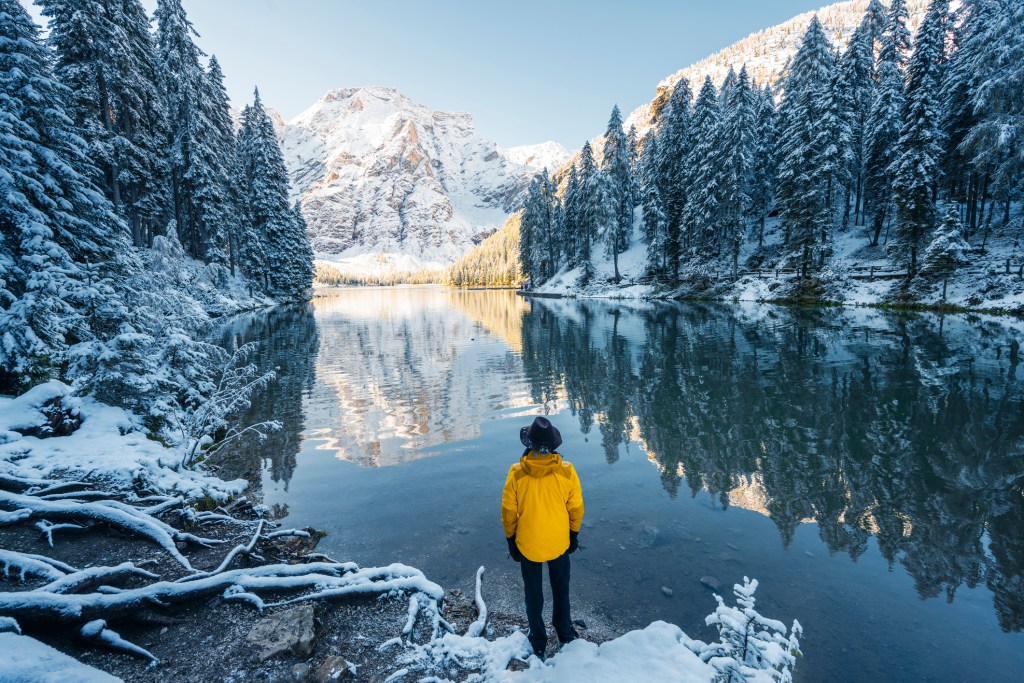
(527, 70)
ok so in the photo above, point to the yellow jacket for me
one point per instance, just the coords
(541, 503)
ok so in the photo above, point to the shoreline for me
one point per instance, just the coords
(942, 309)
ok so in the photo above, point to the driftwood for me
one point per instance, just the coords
(87, 599)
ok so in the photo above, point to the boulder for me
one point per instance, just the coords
(288, 631)
(334, 669)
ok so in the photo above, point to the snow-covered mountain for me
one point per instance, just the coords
(383, 179)
(549, 155)
(767, 52)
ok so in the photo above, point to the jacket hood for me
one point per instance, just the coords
(541, 465)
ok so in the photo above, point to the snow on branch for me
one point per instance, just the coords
(211, 425)
(750, 644)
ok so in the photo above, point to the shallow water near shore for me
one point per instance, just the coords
(866, 467)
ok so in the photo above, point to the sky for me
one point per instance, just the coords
(528, 70)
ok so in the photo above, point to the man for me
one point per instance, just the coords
(541, 510)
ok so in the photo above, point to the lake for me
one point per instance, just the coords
(865, 466)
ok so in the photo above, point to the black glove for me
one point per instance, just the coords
(574, 541)
(513, 549)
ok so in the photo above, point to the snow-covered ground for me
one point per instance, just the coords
(983, 285)
(111, 446)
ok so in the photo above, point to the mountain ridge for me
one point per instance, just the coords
(384, 180)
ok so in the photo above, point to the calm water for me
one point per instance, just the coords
(865, 467)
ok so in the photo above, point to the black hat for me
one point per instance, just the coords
(541, 435)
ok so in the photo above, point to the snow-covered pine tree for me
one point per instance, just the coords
(763, 166)
(704, 163)
(61, 237)
(301, 263)
(654, 230)
(802, 190)
(570, 224)
(962, 182)
(737, 142)
(550, 224)
(947, 250)
(917, 164)
(994, 140)
(104, 53)
(885, 122)
(591, 208)
(252, 256)
(527, 235)
(857, 65)
(838, 157)
(268, 208)
(616, 165)
(198, 200)
(673, 178)
(217, 200)
(750, 646)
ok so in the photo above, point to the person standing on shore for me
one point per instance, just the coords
(541, 510)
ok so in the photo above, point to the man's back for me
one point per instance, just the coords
(541, 503)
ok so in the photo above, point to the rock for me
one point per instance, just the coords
(711, 582)
(517, 665)
(667, 591)
(649, 536)
(287, 631)
(300, 673)
(579, 623)
(334, 669)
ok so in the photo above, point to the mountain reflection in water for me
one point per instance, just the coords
(900, 437)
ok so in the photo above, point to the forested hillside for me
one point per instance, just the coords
(495, 263)
(133, 212)
(898, 154)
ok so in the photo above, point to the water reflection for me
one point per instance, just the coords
(907, 428)
(400, 368)
(289, 342)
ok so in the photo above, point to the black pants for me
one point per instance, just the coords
(533, 575)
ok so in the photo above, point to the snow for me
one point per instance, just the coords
(26, 660)
(389, 184)
(111, 445)
(546, 155)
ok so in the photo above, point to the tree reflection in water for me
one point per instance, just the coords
(906, 427)
(289, 341)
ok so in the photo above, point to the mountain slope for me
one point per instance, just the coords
(766, 52)
(384, 179)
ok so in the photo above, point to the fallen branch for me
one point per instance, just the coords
(97, 630)
(476, 629)
(129, 520)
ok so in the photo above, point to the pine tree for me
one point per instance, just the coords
(993, 141)
(104, 53)
(571, 218)
(885, 122)
(616, 165)
(198, 201)
(857, 65)
(803, 172)
(268, 210)
(57, 231)
(673, 177)
(737, 157)
(591, 207)
(763, 166)
(916, 167)
(654, 231)
(216, 158)
(704, 164)
(947, 250)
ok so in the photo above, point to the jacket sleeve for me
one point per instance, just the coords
(509, 505)
(575, 502)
